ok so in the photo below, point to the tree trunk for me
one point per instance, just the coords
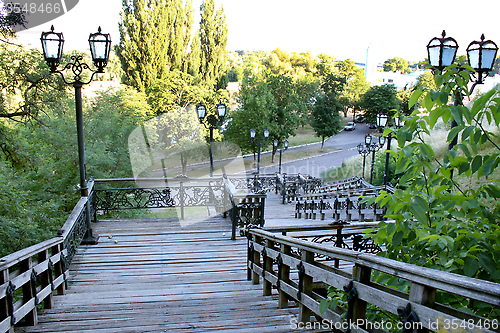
(184, 164)
(322, 142)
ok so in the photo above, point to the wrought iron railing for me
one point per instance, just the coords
(244, 209)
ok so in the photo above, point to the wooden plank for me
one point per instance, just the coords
(188, 279)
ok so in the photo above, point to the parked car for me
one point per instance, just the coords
(359, 119)
(350, 126)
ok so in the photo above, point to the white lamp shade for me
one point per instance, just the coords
(381, 140)
(368, 139)
(275, 143)
(221, 110)
(481, 54)
(381, 120)
(100, 46)
(285, 144)
(442, 51)
(52, 45)
(253, 131)
(201, 110)
(266, 133)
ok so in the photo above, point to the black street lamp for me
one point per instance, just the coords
(212, 122)
(480, 56)
(373, 147)
(442, 51)
(382, 122)
(100, 46)
(253, 133)
(285, 146)
(363, 150)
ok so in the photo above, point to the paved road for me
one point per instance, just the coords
(346, 142)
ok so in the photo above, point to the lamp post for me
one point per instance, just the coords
(362, 150)
(382, 122)
(480, 56)
(373, 147)
(253, 133)
(212, 122)
(100, 46)
(285, 146)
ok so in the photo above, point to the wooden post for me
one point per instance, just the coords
(348, 206)
(360, 274)
(28, 295)
(267, 264)
(59, 269)
(256, 261)
(4, 307)
(285, 277)
(307, 286)
(424, 295)
(261, 211)
(44, 278)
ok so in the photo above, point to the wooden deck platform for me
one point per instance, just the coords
(160, 276)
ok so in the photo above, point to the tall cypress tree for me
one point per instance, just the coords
(154, 39)
(213, 41)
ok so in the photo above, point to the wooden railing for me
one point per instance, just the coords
(292, 266)
(31, 276)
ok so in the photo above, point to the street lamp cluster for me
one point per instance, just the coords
(100, 46)
(213, 121)
(480, 54)
(441, 53)
(253, 136)
(285, 146)
(371, 146)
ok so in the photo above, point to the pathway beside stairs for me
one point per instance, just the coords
(166, 275)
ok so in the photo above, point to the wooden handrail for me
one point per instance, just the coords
(29, 277)
(424, 281)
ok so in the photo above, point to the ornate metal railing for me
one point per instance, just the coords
(159, 193)
(341, 235)
(245, 210)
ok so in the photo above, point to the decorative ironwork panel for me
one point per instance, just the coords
(133, 198)
(365, 245)
(76, 235)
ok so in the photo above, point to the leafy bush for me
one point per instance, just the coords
(440, 222)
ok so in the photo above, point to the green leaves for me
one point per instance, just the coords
(446, 206)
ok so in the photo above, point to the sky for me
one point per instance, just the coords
(344, 29)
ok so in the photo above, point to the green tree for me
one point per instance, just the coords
(379, 99)
(396, 64)
(26, 85)
(325, 118)
(213, 41)
(154, 39)
(272, 102)
(255, 104)
(356, 85)
(286, 108)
